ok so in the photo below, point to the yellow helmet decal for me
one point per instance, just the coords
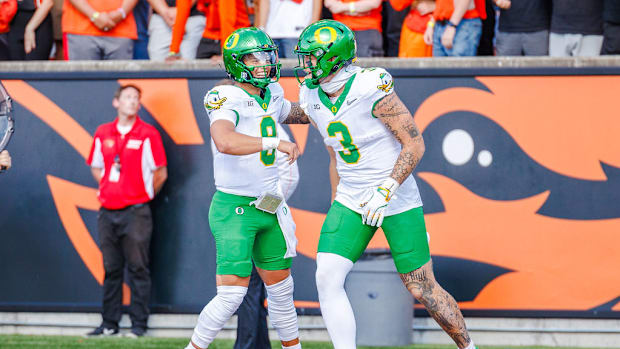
(332, 35)
(232, 41)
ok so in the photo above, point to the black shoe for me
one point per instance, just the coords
(136, 332)
(102, 331)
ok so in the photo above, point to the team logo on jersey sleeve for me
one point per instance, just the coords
(387, 84)
(213, 100)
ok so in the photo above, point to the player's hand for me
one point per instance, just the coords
(116, 16)
(170, 16)
(5, 160)
(503, 4)
(373, 208)
(289, 149)
(425, 7)
(428, 35)
(447, 39)
(30, 42)
(104, 22)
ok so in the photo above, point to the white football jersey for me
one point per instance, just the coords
(253, 174)
(366, 150)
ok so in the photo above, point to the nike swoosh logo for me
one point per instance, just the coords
(351, 101)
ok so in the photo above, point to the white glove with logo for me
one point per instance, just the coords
(373, 208)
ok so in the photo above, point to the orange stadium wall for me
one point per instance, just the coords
(520, 183)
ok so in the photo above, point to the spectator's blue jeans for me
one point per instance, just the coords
(286, 47)
(465, 42)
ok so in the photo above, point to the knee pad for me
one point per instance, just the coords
(215, 314)
(281, 308)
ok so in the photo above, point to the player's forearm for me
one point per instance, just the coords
(460, 7)
(296, 115)
(39, 15)
(317, 7)
(408, 159)
(84, 7)
(128, 6)
(159, 177)
(234, 143)
(365, 5)
(159, 6)
(262, 13)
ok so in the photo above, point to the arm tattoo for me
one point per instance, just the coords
(397, 119)
(389, 106)
(296, 115)
(406, 162)
(412, 130)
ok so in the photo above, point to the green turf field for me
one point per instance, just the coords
(58, 342)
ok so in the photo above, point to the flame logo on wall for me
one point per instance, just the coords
(514, 218)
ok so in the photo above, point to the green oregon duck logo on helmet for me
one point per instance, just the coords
(251, 45)
(323, 48)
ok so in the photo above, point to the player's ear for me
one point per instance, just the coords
(115, 103)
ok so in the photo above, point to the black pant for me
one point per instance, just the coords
(43, 38)
(208, 48)
(369, 43)
(125, 236)
(485, 48)
(252, 330)
(611, 39)
(392, 27)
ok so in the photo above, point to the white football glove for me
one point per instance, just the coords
(373, 208)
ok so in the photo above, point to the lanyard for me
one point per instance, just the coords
(123, 142)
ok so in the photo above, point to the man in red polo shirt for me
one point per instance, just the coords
(128, 161)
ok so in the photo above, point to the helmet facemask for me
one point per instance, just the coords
(331, 43)
(259, 68)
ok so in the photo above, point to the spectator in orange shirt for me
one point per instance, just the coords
(457, 27)
(364, 18)
(412, 35)
(98, 29)
(223, 17)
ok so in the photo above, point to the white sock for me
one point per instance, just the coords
(470, 346)
(215, 314)
(331, 272)
(281, 308)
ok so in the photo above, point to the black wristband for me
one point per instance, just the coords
(452, 24)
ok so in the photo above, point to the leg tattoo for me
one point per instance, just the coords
(439, 303)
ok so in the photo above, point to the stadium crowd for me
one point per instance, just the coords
(188, 29)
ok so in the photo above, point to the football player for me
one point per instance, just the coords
(248, 217)
(374, 146)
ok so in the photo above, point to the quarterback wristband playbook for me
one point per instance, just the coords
(268, 202)
(270, 143)
(388, 188)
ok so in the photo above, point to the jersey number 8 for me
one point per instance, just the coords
(268, 129)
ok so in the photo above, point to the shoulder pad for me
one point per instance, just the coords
(223, 97)
(377, 79)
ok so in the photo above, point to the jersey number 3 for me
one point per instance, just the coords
(268, 129)
(350, 154)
